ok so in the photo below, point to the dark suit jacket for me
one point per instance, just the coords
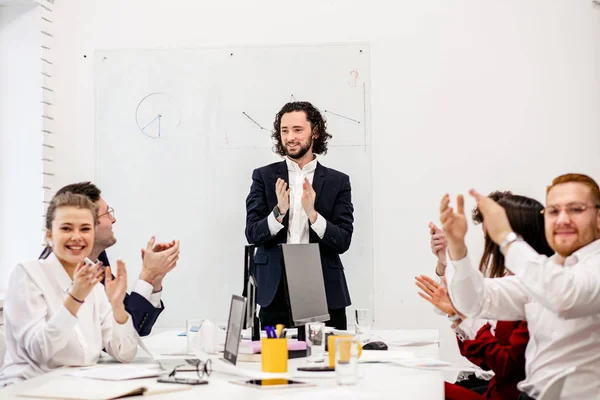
(333, 202)
(142, 312)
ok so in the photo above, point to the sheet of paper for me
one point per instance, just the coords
(116, 372)
(409, 343)
(94, 390)
(372, 356)
(433, 364)
(339, 393)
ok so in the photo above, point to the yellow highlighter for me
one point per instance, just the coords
(279, 328)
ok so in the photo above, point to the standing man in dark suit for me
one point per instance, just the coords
(299, 201)
(144, 304)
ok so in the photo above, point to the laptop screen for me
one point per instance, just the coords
(234, 328)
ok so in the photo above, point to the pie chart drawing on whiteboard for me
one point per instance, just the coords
(157, 115)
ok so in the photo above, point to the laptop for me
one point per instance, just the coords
(235, 324)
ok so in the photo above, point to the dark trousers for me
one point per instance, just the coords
(277, 313)
(475, 384)
(524, 396)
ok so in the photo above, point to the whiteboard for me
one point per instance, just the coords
(178, 134)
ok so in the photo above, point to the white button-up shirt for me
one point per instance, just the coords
(145, 289)
(560, 304)
(298, 226)
(41, 334)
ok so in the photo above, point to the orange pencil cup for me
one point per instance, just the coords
(274, 355)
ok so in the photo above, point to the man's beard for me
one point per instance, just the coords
(301, 152)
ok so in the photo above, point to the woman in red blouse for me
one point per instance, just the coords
(498, 346)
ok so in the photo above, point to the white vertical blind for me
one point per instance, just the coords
(47, 106)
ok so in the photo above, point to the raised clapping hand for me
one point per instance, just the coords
(283, 196)
(116, 289)
(308, 200)
(454, 225)
(497, 225)
(436, 294)
(438, 243)
(158, 260)
(85, 277)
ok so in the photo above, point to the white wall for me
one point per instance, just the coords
(490, 94)
(20, 137)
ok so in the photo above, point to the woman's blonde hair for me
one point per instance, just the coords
(70, 200)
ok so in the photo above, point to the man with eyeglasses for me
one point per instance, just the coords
(144, 304)
(558, 296)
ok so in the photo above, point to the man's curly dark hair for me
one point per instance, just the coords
(318, 125)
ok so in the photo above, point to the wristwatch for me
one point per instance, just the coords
(277, 213)
(510, 238)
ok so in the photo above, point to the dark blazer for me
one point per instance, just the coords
(142, 312)
(333, 202)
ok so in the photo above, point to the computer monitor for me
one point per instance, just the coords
(304, 283)
(249, 288)
(234, 328)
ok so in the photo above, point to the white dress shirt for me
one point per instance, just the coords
(467, 330)
(560, 304)
(145, 289)
(42, 335)
(298, 226)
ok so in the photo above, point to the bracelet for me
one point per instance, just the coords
(75, 298)
(453, 318)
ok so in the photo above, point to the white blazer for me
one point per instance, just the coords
(41, 334)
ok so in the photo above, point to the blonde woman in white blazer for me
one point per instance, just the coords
(56, 311)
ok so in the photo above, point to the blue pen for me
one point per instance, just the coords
(270, 332)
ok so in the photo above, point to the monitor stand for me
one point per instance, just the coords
(301, 333)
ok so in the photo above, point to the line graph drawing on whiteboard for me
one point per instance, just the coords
(348, 128)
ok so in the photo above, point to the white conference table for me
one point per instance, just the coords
(377, 380)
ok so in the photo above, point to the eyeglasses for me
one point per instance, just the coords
(572, 209)
(110, 212)
(202, 368)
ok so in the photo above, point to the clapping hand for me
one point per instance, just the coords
(283, 196)
(435, 293)
(85, 277)
(308, 200)
(116, 289)
(158, 260)
(497, 225)
(438, 243)
(454, 225)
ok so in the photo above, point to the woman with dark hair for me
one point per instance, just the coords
(493, 345)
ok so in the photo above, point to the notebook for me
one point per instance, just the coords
(87, 389)
(256, 346)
